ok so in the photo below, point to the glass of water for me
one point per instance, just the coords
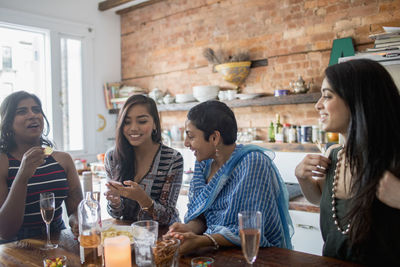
(145, 234)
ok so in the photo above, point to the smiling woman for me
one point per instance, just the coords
(26, 170)
(144, 175)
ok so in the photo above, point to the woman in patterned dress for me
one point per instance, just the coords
(144, 175)
(229, 178)
(26, 171)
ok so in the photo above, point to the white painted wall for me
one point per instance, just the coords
(106, 57)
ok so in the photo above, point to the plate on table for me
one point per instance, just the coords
(112, 230)
(248, 96)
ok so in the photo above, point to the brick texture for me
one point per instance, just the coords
(162, 44)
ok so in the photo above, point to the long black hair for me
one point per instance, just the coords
(8, 109)
(124, 152)
(373, 143)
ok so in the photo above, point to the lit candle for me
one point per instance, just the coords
(117, 251)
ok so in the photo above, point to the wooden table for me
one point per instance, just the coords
(27, 253)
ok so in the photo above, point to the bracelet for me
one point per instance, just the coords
(216, 246)
(147, 209)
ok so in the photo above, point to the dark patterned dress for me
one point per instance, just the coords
(162, 183)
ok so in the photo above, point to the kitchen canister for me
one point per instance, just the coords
(306, 134)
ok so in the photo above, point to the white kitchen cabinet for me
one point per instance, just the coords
(307, 234)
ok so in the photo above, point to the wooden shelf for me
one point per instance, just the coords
(278, 147)
(260, 101)
(286, 147)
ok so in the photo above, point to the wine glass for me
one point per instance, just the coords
(47, 210)
(250, 229)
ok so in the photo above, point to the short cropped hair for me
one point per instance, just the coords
(213, 115)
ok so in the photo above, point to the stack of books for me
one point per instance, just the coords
(386, 42)
(111, 91)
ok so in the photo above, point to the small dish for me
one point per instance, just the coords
(56, 261)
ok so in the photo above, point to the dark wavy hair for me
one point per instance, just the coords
(373, 143)
(212, 115)
(124, 152)
(8, 109)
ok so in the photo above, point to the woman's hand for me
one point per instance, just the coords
(74, 224)
(112, 194)
(312, 165)
(31, 160)
(178, 228)
(132, 190)
(388, 190)
(189, 241)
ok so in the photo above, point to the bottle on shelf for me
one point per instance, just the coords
(285, 130)
(292, 136)
(89, 216)
(278, 130)
(271, 133)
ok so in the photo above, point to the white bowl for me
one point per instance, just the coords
(184, 98)
(205, 92)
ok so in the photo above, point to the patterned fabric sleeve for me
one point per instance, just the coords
(254, 187)
(109, 165)
(165, 211)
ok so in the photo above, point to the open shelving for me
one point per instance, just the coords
(237, 103)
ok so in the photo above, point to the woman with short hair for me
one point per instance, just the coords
(229, 178)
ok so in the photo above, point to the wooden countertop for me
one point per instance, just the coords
(301, 204)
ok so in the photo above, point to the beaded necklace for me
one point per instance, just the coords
(334, 187)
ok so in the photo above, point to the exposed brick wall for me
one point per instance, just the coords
(162, 45)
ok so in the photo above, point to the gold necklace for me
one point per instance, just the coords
(334, 187)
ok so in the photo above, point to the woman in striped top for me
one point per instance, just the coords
(25, 171)
(229, 178)
(145, 176)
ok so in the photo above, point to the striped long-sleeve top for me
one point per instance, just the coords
(49, 177)
(162, 183)
(249, 180)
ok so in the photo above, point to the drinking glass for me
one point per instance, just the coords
(47, 206)
(250, 229)
(145, 234)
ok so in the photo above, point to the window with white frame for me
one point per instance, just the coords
(49, 62)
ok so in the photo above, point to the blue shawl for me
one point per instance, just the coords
(249, 180)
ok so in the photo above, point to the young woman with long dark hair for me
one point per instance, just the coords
(145, 176)
(25, 171)
(359, 218)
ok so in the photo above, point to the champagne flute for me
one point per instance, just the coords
(250, 229)
(47, 207)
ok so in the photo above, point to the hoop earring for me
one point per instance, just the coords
(154, 132)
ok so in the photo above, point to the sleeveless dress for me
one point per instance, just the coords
(385, 250)
(49, 177)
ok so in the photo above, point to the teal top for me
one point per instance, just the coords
(384, 247)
